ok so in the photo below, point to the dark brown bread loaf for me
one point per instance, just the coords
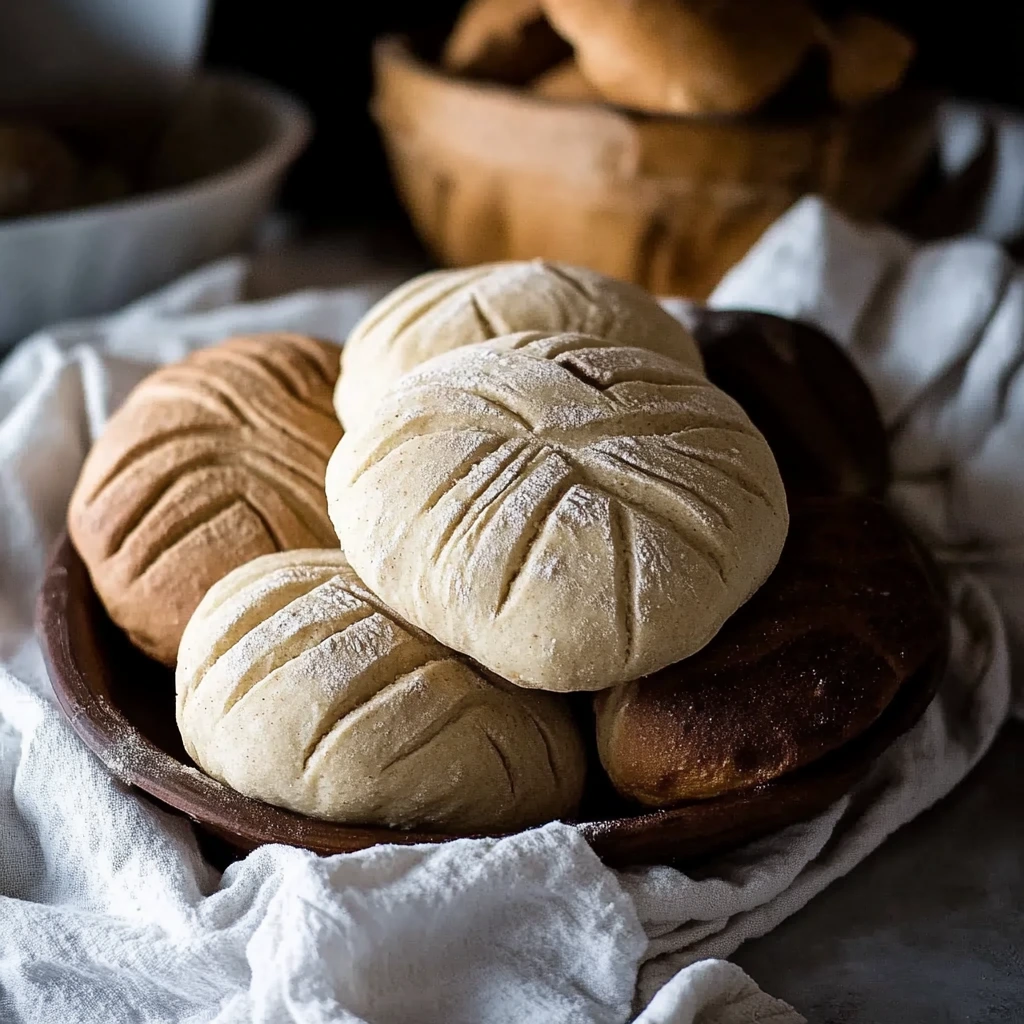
(812, 660)
(805, 396)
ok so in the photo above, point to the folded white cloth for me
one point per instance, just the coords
(110, 914)
(938, 331)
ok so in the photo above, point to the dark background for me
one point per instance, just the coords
(321, 53)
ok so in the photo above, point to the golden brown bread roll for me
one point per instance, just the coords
(568, 512)
(208, 464)
(809, 663)
(506, 40)
(565, 82)
(686, 56)
(868, 57)
(295, 685)
(38, 173)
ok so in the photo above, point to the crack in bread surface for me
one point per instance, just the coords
(538, 518)
(502, 760)
(490, 500)
(625, 576)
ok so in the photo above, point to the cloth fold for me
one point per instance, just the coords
(111, 914)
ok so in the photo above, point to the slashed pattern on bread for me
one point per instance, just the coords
(297, 686)
(209, 463)
(570, 513)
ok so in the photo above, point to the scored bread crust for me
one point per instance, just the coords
(448, 309)
(209, 463)
(570, 513)
(566, 83)
(690, 57)
(812, 660)
(297, 686)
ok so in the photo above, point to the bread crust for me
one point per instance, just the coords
(812, 660)
(568, 512)
(686, 56)
(297, 686)
(209, 463)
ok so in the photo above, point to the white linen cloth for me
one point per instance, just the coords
(107, 911)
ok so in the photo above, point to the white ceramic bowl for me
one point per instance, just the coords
(88, 261)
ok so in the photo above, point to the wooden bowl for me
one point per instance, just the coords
(489, 172)
(122, 705)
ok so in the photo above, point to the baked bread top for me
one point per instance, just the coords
(447, 309)
(809, 663)
(208, 463)
(803, 393)
(295, 685)
(570, 513)
(687, 56)
(505, 40)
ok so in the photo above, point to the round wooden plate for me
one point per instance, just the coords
(122, 705)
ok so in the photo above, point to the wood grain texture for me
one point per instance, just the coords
(669, 202)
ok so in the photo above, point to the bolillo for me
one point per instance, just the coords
(569, 513)
(447, 309)
(849, 616)
(296, 686)
(207, 464)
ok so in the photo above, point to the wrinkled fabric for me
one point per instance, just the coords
(109, 912)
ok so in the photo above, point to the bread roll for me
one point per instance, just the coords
(295, 685)
(814, 658)
(447, 309)
(686, 56)
(569, 513)
(868, 57)
(506, 40)
(803, 393)
(208, 464)
(566, 83)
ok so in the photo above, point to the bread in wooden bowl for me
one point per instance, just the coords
(444, 310)
(686, 56)
(492, 173)
(503, 40)
(207, 464)
(296, 686)
(806, 666)
(568, 512)
(567, 83)
(308, 605)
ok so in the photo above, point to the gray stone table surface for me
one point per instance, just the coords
(930, 928)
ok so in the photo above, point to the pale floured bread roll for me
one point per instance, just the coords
(687, 56)
(569, 513)
(447, 309)
(296, 686)
(208, 463)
